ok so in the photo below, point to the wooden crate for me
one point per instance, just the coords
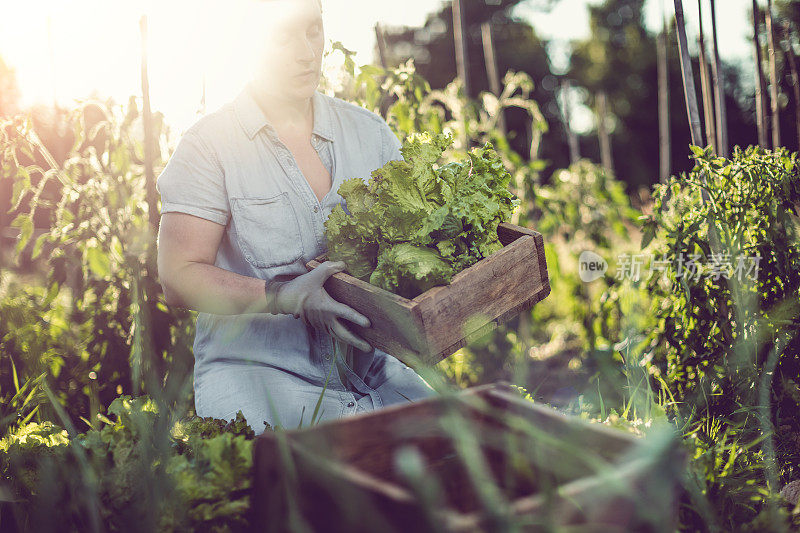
(543, 469)
(435, 324)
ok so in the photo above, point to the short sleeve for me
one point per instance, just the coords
(391, 145)
(193, 182)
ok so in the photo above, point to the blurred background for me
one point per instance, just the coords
(198, 59)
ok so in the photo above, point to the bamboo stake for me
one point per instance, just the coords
(492, 72)
(381, 45)
(719, 90)
(791, 60)
(459, 36)
(708, 107)
(761, 115)
(150, 363)
(147, 121)
(663, 104)
(689, 91)
(383, 105)
(773, 80)
(690, 95)
(52, 54)
(705, 84)
(462, 61)
(602, 131)
(572, 139)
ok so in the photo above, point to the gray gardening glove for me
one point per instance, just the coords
(306, 298)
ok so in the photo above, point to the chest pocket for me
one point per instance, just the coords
(267, 230)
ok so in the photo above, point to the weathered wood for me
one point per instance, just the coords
(445, 318)
(344, 475)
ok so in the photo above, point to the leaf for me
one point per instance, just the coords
(98, 261)
(37, 245)
(648, 232)
(24, 222)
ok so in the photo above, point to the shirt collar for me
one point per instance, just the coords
(252, 118)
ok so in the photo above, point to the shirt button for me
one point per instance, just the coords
(350, 404)
(316, 209)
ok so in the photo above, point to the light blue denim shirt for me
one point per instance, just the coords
(230, 167)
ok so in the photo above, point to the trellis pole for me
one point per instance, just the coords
(719, 90)
(705, 84)
(462, 59)
(492, 71)
(663, 103)
(761, 114)
(773, 80)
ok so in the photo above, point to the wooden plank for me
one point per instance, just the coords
(481, 293)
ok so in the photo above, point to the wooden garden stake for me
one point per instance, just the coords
(705, 84)
(492, 72)
(792, 61)
(602, 131)
(572, 139)
(147, 122)
(663, 105)
(719, 90)
(462, 59)
(761, 114)
(689, 91)
(381, 45)
(773, 80)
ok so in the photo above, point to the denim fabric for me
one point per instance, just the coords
(230, 167)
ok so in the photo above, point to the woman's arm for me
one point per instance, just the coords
(187, 249)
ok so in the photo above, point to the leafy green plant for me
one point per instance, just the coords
(725, 345)
(196, 475)
(96, 324)
(414, 225)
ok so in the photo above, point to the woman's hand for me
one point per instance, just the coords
(306, 298)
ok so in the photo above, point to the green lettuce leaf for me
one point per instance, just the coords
(415, 224)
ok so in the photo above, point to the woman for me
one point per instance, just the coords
(244, 199)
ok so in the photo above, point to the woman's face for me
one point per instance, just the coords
(291, 58)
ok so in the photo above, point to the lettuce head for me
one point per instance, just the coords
(415, 224)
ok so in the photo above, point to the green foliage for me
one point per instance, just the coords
(409, 105)
(413, 225)
(197, 475)
(585, 208)
(725, 346)
(96, 325)
(719, 326)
